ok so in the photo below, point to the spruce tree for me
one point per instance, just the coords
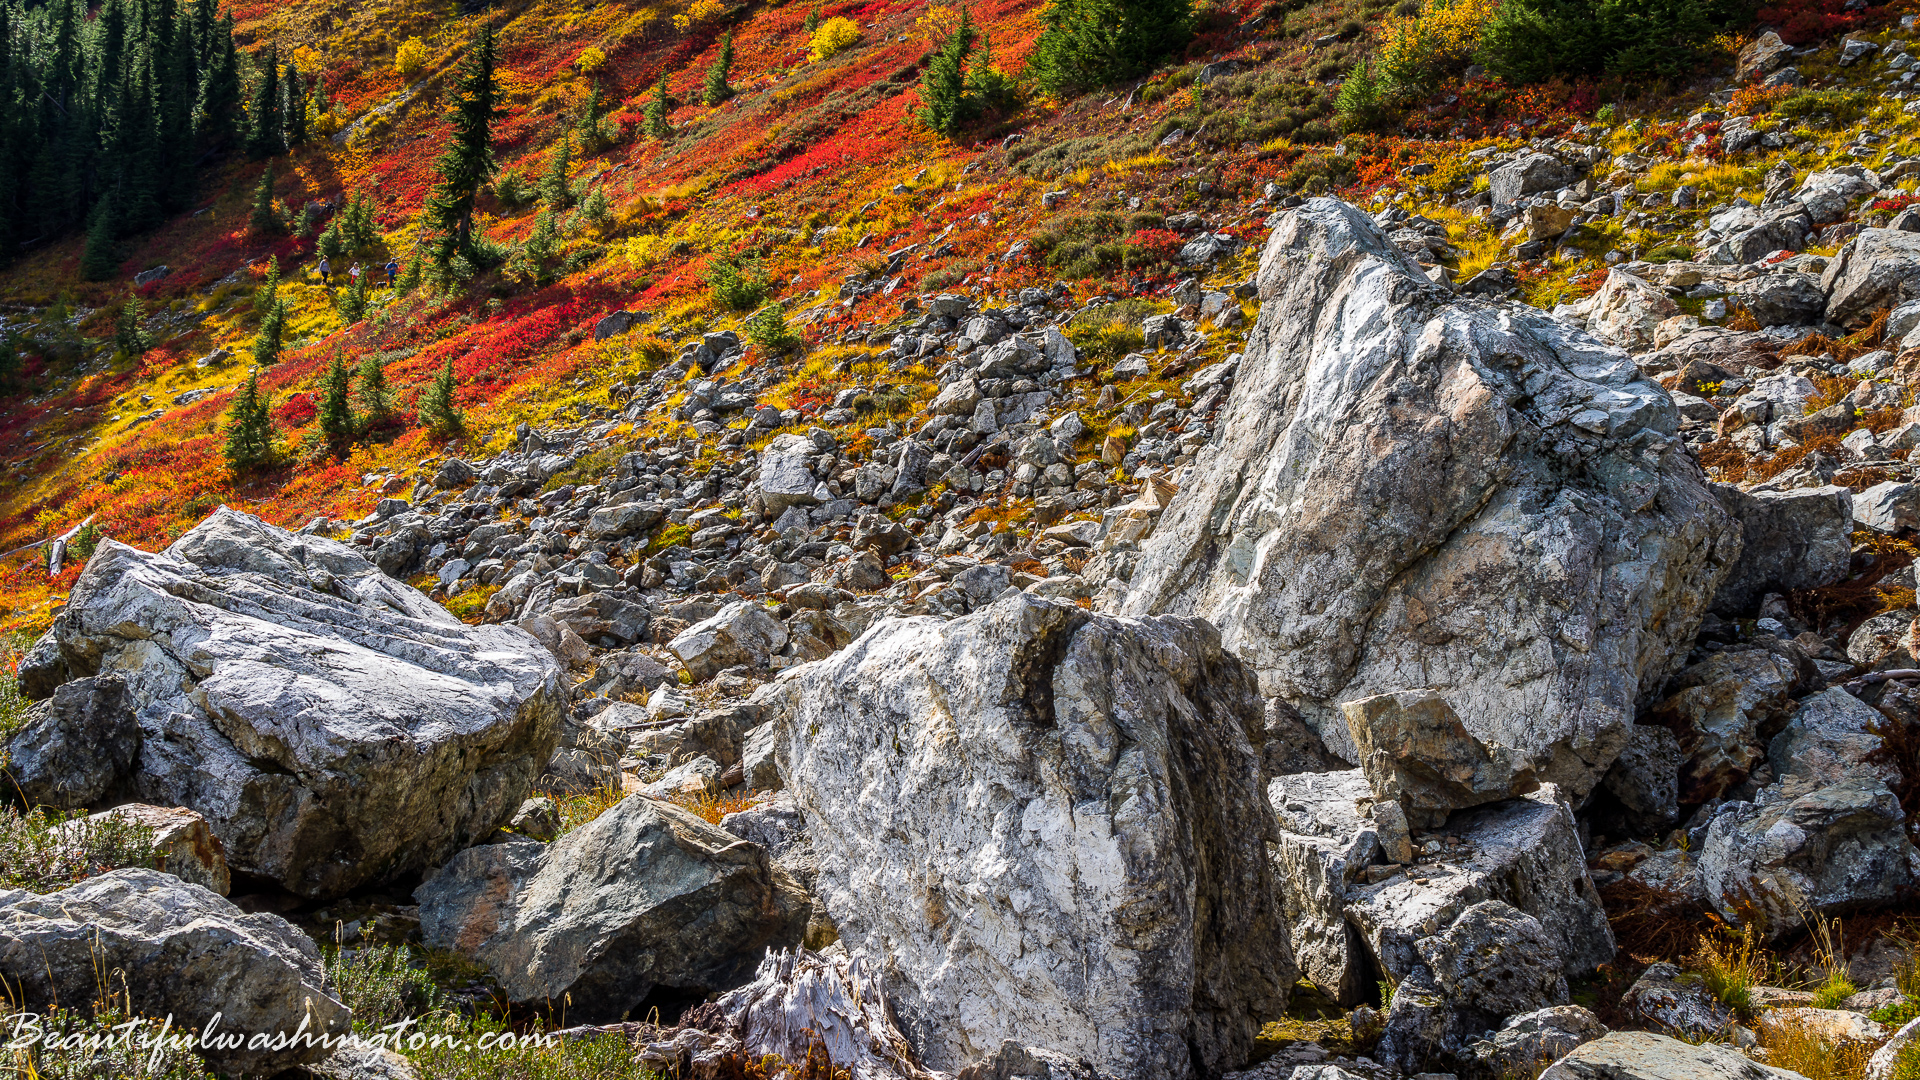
(130, 338)
(336, 411)
(9, 361)
(945, 103)
(468, 160)
(591, 135)
(352, 301)
(436, 407)
(409, 276)
(266, 341)
(811, 22)
(101, 260)
(264, 219)
(1092, 43)
(216, 111)
(656, 111)
(555, 189)
(267, 296)
(293, 108)
(264, 138)
(249, 429)
(373, 396)
(716, 89)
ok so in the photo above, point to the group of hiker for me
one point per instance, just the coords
(325, 270)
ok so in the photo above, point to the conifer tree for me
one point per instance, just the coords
(336, 411)
(249, 428)
(716, 89)
(264, 219)
(266, 341)
(130, 338)
(101, 259)
(1091, 43)
(811, 22)
(945, 104)
(267, 296)
(555, 189)
(656, 111)
(352, 301)
(409, 276)
(216, 110)
(373, 396)
(468, 160)
(293, 108)
(264, 138)
(436, 407)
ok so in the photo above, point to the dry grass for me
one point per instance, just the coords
(577, 810)
(714, 807)
(1730, 965)
(1792, 1044)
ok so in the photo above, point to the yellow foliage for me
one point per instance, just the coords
(834, 36)
(701, 11)
(410, 58)
(1445, 33)
(326, 124)
(937, 25)
(590, 60)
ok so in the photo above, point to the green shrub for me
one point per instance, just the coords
(735, 287)
(46, 851)
(768, 329)
(1361, 105)
(1093, 43)
(1837, 988)
(1845, 106)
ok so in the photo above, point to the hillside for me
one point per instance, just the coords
(815, 173)
(1381, 544)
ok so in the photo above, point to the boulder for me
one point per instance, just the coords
(1415, 750)
(1015, 1062)
(645, 898)
(743, 632)
(1879, 268)
(1491, 962)
(1796, 539)
(1642, 1055)
(1645, 780)
(1530, 174)
(1664, 999)
(1627, 311)
(1781, 298)
(1528, 1041)
(786, 473)
(1514, 852)
(1889, 507)
(335, 727)
(1416, 490)
(1883, 641)
(1829, 195)
(1050, 825)
(77, 747)
(1763, 56)
(624, 520)
(1881, 1066)
(185, 952)
(1829, 738)
(183, 844)
(1718, 708)
(1830, 850)
(1327, 838)
(1756, 234)
(602, 618)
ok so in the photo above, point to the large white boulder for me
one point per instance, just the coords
(1047, 826)
(334, 726)
(1418, 491)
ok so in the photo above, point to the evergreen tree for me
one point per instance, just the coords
(352, 301)
(264, 138)
(216, 112)
(592, 134)
(945, 103)
(266, 341)
(293, 108)
(333, 241)
(130, 338)
(811, 22)
(321, 106)
(716, 89)
(468, 160)
(336, 412)
(373, 396)
(436, 407)
(656, 111)
(264, 219)
(555, 189)
(176, 88)
(9, 361)
(409, 276)
(267, 296)
(249, 429)
(1091, 43)
(101, 259)
(538, 257)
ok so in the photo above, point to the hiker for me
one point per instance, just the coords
(393, 271)
(326, 272)
(354, 273)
